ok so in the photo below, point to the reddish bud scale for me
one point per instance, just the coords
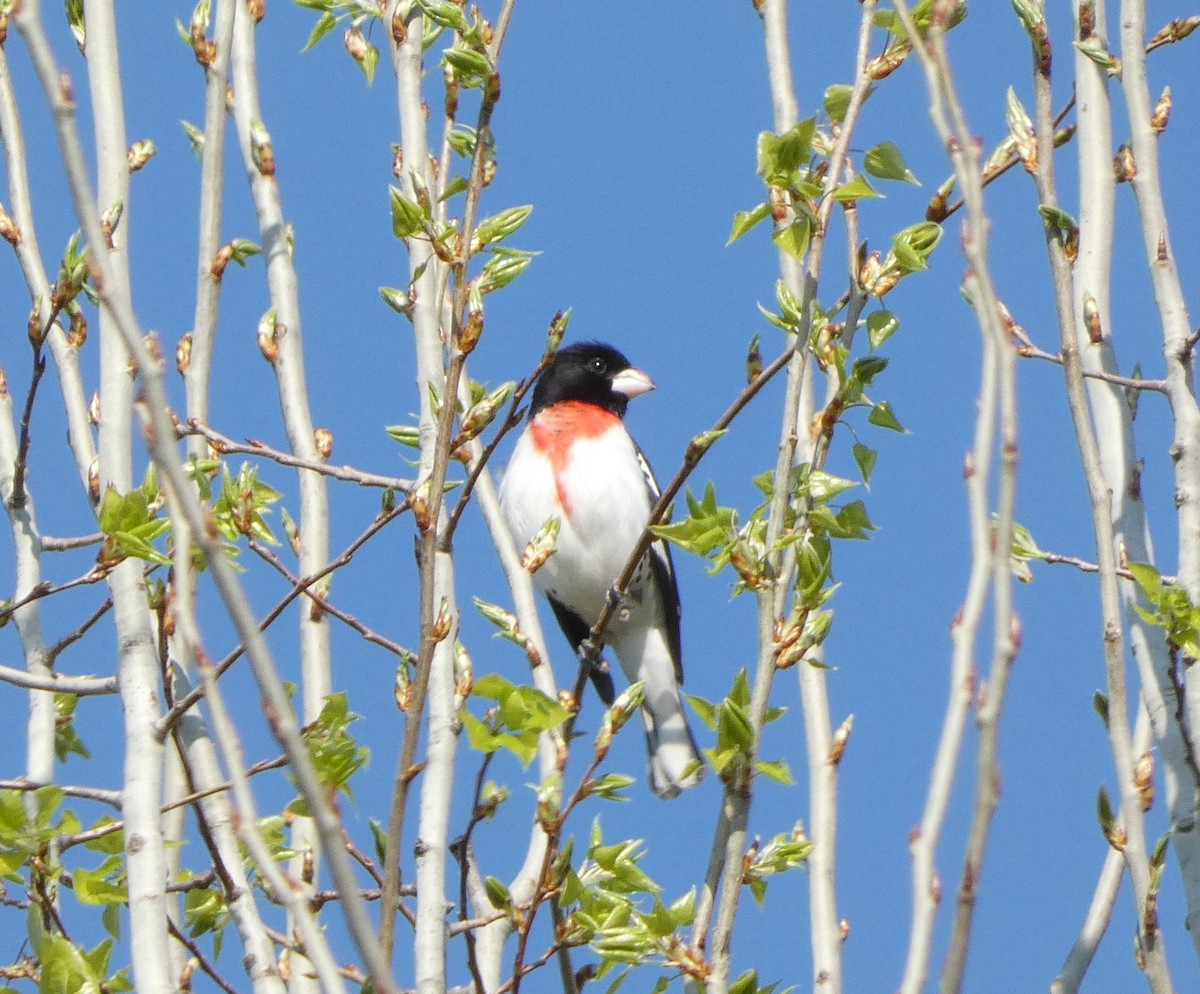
(1124, 165)
(399, 28)
(258, 9)
(1087, 19)
(355, 42)
(8, 229)
(323, 439)
(1162, 112)
(221, 260)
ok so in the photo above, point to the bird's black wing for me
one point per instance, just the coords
(576, 630)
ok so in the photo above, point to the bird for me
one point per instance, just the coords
(575, 461)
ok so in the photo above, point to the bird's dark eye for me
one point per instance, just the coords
(598, 365)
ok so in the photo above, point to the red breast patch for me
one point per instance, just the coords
(556, 427)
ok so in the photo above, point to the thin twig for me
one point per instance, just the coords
(368, 634)
(253, 447)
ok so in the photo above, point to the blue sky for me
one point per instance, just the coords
(632, 130)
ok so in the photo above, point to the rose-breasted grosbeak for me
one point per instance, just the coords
(576, 462)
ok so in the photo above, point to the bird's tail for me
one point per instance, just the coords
(674, 759)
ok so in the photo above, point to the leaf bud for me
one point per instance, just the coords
(257, 9)
(269, 333)
(140, 152)
(1143, 779)
(469, 333)
(842, 736)
(110, 220)
(442, 623)
(558, 328)
(549, 800)
(399, 27)
(323, 439)
(1162, 112)
(184, 354)
(464, 678)
(754, 363)
(355, 42)
(1124, 166)
(541, 546)
(33, 327)
(402, 688)
(1091, 319)
(94, 409)
(261, 150)
(221, 260)
(882, 66)
(420, 507)
(8, 229)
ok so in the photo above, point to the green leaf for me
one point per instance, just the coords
(884, 161)
(97, 887)
(857, 189)
(445, 14)
(881, 325)
(368, 62)
(913, 246)
(777, 771)
(743, 221)
(500, 226)
(881, 415)
(1149, 579)
(781, 156)
(865, 458)
(794, 238)
(471, 67)
(504, 267)
(407, 216)
(837, 101)
(325, 23)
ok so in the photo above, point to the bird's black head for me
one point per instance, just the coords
(593, 373)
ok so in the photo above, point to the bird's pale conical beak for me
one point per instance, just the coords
(632, 383)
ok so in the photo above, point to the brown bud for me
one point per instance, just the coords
(33, 327)
(261, 150)
(94, 409)
(221, 260)
(844, 928)
(441, 624)
(93, 479)
(202, 48)
(1087, 19)
(778, 204)
(1162, 112)
(399, 28)
(78, 333)
(183, 354)
(355, 42)
(892, 59)
(8, 229)
(140, 152)
(1091, 319)
(840, 738)
(258, 9)
(1124, 166)
(323, 439)
(1143, 779)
